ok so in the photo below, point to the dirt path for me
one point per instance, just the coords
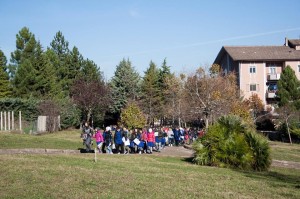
(184, 152)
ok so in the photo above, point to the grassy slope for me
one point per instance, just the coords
(285, 151)
(132, 176)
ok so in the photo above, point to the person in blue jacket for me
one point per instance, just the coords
(118, 141)
(176, 132)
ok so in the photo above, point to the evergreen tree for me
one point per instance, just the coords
(90, 71)
(46, 79)
(164, 74)
(75, 65)
(124, 85)
(150, 93)
(22, 69)
(61, 59)
(288, 87)
(5, 88)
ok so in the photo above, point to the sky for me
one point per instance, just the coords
(188, 33)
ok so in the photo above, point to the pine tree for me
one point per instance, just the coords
(124, 85)
(61, 59)
(5, 87)
(150, 93)
(288, 87)
(46, 79)
(90, 71)
(22, 67)
(164, 74)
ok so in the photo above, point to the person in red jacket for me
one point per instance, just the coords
(150, 140)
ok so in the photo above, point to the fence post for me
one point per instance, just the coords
(20, 121)
(4, 120)
(1, 121)
(12, 121)
(8, 120)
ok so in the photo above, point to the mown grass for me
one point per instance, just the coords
(285, 151)
(58, 140)
(136, 176)
(132, 176)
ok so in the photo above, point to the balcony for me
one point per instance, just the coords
(271, 95)
(273, 77)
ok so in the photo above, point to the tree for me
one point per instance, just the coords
(90, 95)
(175, 104)
(22, 69)
(255, 104)
(163, 76)
(61, 60)
(288, 87)
(132, 116)
(150, 97)
(124, 85)
(90, 71)
(46, 79)
(210, 96)
(5, 87)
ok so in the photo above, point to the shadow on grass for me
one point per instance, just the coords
(188, 160)
(275, 178)
(82, 150)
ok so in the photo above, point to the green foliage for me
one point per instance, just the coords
(69, 113)
(27, 106)
(294, 125)
(150, 96)
(132, 117)
(124, 85)
(232, 143)
(5, 87)
(288, 85)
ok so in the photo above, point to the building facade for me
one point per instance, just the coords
(258, 68)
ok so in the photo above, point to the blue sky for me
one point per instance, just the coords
(189, 33)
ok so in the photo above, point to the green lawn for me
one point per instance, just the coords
(285, 151)
(58, 140)
(131, 176)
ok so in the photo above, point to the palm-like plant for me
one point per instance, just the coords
(232, 143)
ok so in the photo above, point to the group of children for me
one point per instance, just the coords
(121, 141)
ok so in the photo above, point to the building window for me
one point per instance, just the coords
(272, 70)
(252, 69)
(299, 68)
(252, 87)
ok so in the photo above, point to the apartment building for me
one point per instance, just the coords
(258, 68)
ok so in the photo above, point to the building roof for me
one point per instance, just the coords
(261, 53)
(294, 42)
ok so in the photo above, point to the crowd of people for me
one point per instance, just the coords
(115, 139)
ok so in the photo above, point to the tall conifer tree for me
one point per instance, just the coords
(151, 93)
(124, 85)
(5, 87)
(288, 87)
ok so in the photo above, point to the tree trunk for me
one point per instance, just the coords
(88, 117)
(288, 129)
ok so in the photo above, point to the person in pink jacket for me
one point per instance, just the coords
(150, 140)
(99, 139)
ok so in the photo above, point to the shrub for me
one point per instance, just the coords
(232, 143)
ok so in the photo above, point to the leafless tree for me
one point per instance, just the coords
(90, 95)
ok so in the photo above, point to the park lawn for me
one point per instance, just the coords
(285, 151)
(135, 176)
(132, 176)
(58, 140)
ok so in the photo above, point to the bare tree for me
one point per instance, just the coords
(89, 95)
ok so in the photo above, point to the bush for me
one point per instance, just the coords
(232, 143)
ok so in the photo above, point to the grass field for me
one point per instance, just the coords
(131, 176)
